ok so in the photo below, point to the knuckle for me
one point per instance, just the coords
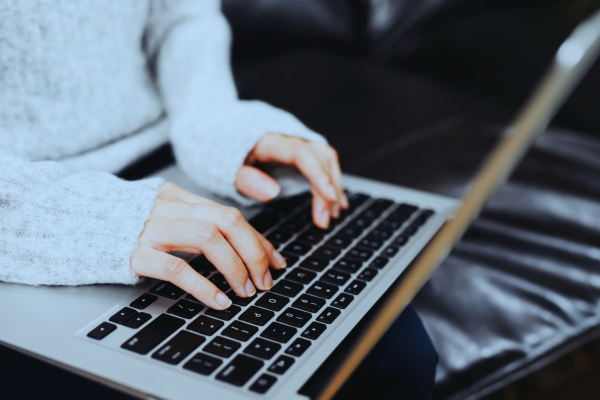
(175, 269)
(232, 217)
(206, 234)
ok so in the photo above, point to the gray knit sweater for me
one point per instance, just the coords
(86, 88)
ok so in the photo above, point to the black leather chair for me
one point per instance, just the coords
(523, 286)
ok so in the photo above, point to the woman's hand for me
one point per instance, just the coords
(318, 162)
(182, 221)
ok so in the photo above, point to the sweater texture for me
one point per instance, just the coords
(86, 88)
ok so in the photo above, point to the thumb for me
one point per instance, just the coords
(256, 184)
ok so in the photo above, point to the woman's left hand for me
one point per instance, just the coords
(318, 162)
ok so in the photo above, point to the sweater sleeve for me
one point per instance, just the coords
(63, 228)
(212, 131)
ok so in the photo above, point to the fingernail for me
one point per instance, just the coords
(328, 190)
(324, 218)
(279, 259)
(250, 289)
(335, 210)
(269, 189)
(223, 300)
(268, 280)
(344, 200)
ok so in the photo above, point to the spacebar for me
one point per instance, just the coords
(154, 333)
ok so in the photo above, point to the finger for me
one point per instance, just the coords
(256, 184)
(275, 258)
(170, 191)
(232, 225)
(294, 151)
(307, 161)
(170, 235)
(156, 264)
(336, 175)
(321, 212)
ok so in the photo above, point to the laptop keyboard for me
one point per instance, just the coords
(258, 339)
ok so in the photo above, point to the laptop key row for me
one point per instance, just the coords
(285, 328)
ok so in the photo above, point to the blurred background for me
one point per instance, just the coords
(416, 92)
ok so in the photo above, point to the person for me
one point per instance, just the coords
(87, 88)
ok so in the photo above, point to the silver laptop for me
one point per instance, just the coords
(154, 341)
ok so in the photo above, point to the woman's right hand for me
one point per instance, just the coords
(184, 222)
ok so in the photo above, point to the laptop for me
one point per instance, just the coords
(153, 341)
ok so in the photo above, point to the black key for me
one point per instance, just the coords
(287, 288)
(329, 315)
(240, 331)
(298, 347)
(226, 314)
(298, 248)
(102, 331)
(277, 273)
(192, 298)
(290, 260)
(222, 347)
(257, 316)
(389, 225)
(304, 216)
(203, 364)
(241, 301)
(360, 223)
(401, 240)
(138, 320)
(359, 254)
(123, 316)
(152, 334)
(370, 244)
(301, 275)
(370, 213)
(379, 234)
(282, 364)
(327, 252)
(279, 237)
(240, 370)
(205, 325)
(185, 309)
(410, 230)
(143, 301)
(309, 303)
(367, 275)
(263, 384)
(350, 232)
(355, 287)
(202, 265)
(342, 300)
(357, 200)
(311, 237)
(294, 317)
(381, 204)
(293, 226)
(390, 251)
(315, 263)
(262, 348)
(272, 301)
(427, 213)
(279, 333)
(168, 290)
(322, 289)
(220, 282)
(420, 220)
(336, 277)
(314, 330)
(348, 264)
(379, 262)
(178, 348)
(340, 241)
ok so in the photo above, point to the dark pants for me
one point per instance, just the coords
(402, 365)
